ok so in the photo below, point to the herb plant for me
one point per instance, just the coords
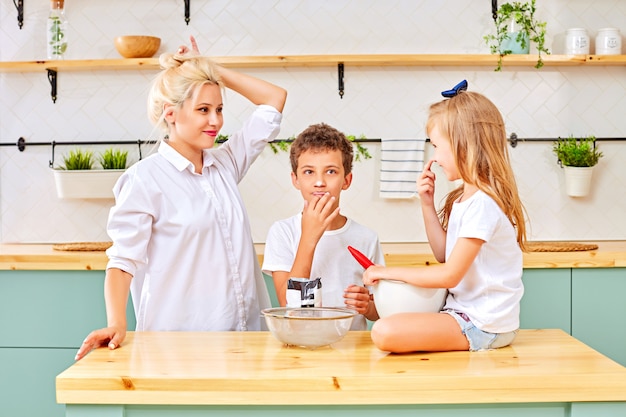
(113, 159)
(577, 152)
(78, 159)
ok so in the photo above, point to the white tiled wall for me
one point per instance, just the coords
(380, 102)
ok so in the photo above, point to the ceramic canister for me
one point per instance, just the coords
(608, 42)
(576, 41)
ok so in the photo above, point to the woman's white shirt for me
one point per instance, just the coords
(186, 237)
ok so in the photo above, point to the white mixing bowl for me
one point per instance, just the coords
(393, 297)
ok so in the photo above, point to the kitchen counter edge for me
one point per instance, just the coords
(609, 254)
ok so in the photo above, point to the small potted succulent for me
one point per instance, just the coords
(77, 178)
(516, 28)
(577, 156)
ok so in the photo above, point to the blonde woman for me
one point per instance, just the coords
(477, 237)
(180, 231)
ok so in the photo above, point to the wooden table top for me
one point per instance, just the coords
(42, 257)
(223, 368)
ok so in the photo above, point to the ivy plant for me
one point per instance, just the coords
(522, 15)
(283, 145)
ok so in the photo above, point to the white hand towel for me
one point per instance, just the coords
(401, 162)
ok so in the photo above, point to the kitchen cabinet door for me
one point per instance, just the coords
(599, 310)
(27, 381)
(546, 303)
(54, 309)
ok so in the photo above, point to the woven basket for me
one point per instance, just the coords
(83, 246)
(559, 246)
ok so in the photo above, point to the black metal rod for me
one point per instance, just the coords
(494, 9)
(514, 140)
(21, 144)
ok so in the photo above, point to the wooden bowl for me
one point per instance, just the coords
(137, 46)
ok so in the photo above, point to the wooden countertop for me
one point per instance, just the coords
(225, 368)
(43, 257)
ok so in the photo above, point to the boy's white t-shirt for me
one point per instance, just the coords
(332, 261)
(492, 288)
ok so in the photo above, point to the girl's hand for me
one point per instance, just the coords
(358, 298)
(372, 275)
(426, 184)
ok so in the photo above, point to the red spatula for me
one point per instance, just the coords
(362, 259)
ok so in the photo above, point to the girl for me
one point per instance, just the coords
(179, 228)
(477, 237)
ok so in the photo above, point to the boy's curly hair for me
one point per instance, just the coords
(322, 137)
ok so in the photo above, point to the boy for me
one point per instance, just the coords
(315, 243)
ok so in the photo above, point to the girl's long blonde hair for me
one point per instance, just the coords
(477, 136)
(180, 77)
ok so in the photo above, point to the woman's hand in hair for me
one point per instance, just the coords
(183, 49)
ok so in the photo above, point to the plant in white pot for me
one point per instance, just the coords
(516, 28)
(77, 178)
(577, 156)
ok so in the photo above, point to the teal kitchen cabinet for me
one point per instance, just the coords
(27, 381)
(599, 310)
(547, 302)
(44, 317)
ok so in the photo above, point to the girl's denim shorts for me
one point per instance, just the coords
(479, 340)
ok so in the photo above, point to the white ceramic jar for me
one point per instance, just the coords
(576, 41)
(609, 42)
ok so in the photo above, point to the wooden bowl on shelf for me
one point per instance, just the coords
(137, 46)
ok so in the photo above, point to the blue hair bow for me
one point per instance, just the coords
(462, 86)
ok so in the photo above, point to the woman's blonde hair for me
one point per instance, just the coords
(180, 77)
(477, 136)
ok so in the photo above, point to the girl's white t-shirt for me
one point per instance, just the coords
(492, 288)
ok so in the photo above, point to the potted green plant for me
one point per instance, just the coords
(77, 178)
(113, 159)
(517, 27)
(577, 156)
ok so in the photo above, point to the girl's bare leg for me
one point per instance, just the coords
(415, 332)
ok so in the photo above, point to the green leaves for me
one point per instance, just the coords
(282, 145)
(361, 151)
(113, 159)
(577, 152)
(521, 16)
(57, 36)
(109, 159)
(78, 159)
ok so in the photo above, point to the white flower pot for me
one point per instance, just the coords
(86, 183)
(578, 180)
